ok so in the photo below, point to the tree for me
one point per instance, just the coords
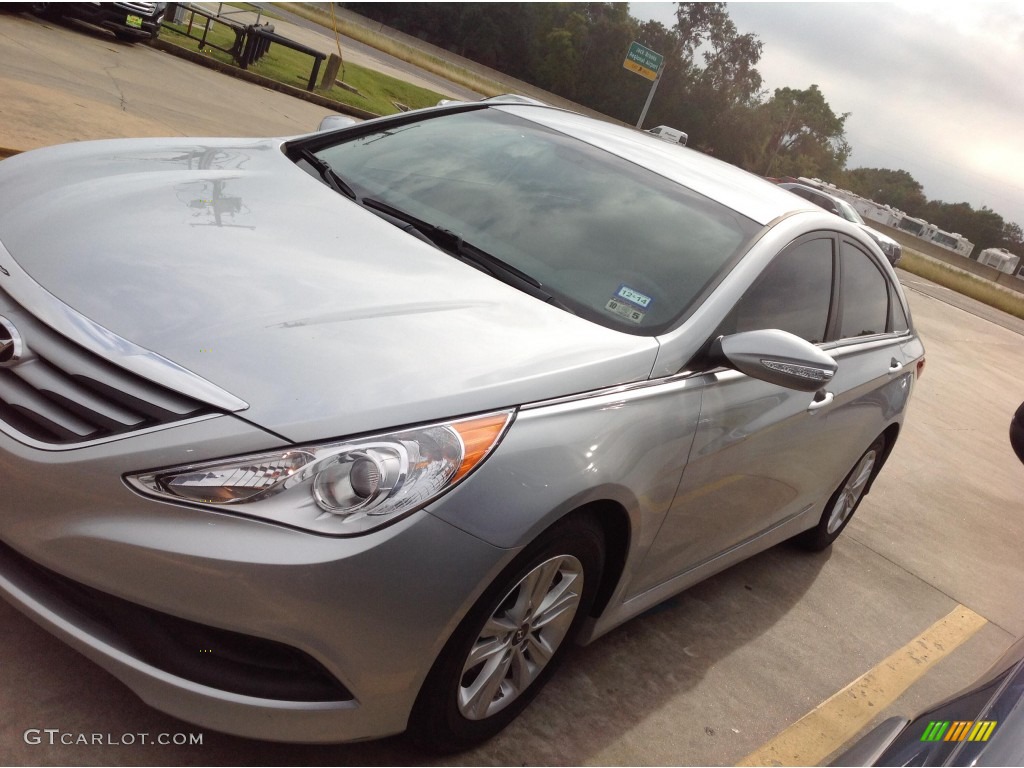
(806, 137)
(894, 188)
(602, 83)
(697, 97)
(1013, 238)
(984, 228)
(710, 86)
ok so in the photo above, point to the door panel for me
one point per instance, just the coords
(763, 454)
(869, 392)
(758, 457)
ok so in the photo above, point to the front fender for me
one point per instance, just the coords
(628, 447)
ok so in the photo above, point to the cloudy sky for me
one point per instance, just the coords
(934, 89)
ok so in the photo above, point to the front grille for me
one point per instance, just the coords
(144, 9)
(217, 658)
(60, 393)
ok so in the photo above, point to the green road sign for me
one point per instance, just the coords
(643, 61)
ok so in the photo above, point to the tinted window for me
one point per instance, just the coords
(820, 200)
(615, 242)
(803, 193)
(899, 316)
(865, 294)
(793, 294)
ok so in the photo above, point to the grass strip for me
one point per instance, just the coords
(378, 92)
(400, 50)
(973, 286)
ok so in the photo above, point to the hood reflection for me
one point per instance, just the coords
(212, 205)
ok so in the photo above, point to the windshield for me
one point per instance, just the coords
(613, 242)
(848, 211)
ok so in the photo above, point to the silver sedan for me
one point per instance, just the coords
(328, 438)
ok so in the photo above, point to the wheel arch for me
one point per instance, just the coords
(890, 434)
(615, 523)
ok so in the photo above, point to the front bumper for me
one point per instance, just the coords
(119, 19)
(371, 612)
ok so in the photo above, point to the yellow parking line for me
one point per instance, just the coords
(824, 729)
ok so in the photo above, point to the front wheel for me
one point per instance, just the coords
(510, 643)
(844, 502)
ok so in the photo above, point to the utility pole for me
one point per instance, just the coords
(650, 96)
(648, 64)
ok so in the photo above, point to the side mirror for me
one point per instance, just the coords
(777, 357)
(333, 122)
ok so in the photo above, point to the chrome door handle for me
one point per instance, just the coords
(895, 366)
(817, 403)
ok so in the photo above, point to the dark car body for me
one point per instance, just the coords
(981, 725)
(130, 21)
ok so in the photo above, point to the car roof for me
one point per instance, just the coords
(747, 194)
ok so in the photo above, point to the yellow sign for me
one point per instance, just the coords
(641, 70)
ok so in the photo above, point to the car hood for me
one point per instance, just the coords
(225, 258)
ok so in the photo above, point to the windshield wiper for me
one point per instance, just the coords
(452, 243)
(328, 174)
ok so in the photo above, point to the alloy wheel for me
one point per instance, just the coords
(852, 491)
(520, 637)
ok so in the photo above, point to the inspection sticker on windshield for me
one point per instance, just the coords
(629, 304)
(633, 297)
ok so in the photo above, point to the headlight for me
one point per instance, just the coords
(341, 487)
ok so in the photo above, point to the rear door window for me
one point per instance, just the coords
(865, 292)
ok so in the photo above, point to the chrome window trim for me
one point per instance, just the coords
(875, 339)
(619, 390)
(843, 347)
(94, 337)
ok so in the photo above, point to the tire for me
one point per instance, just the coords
(508, 645)
(844, 502)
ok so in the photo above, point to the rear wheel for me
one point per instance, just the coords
(512, 640)
(844, 502)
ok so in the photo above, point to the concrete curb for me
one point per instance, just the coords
(242, 74)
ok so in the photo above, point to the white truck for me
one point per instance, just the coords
(673, 135)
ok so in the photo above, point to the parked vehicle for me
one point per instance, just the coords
(382, 419)
(1017, 433)
(671, 135)
(893, 251)
(129, 21)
